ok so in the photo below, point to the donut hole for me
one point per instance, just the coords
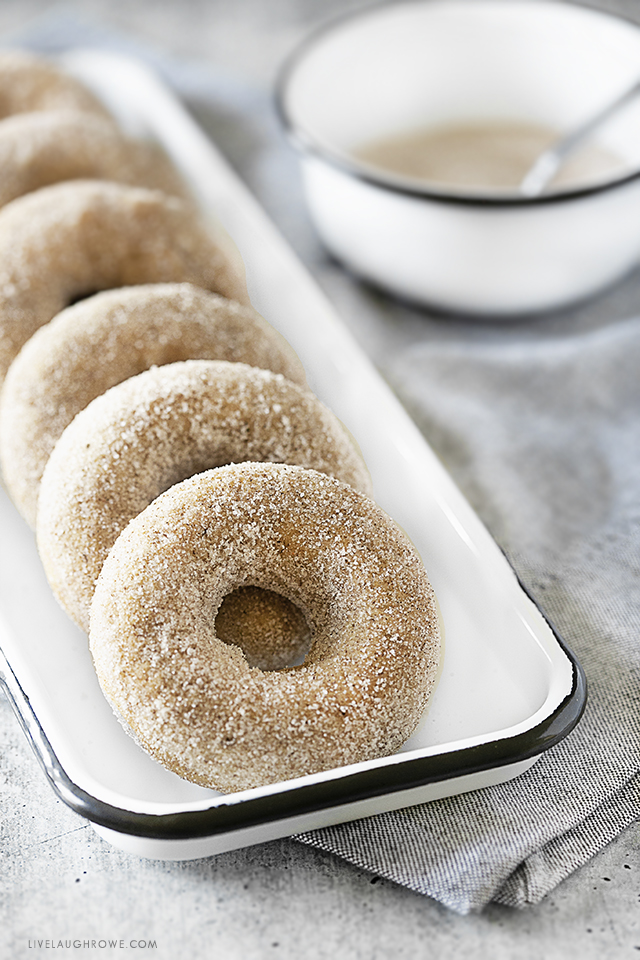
(271, 631)
(80, 296)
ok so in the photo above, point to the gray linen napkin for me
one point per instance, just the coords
(544, 438)
(542, 432)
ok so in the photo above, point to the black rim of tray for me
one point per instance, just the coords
(232, 812)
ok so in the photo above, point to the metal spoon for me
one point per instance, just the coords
(549, 162)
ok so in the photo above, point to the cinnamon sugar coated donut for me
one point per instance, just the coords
(151, 431)
(192, 701)
(66, 241)
(105, 339)
(30, 83)
(39, 149)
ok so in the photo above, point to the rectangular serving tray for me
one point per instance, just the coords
(509, 687)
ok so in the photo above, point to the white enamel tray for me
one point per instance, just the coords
(509, 688)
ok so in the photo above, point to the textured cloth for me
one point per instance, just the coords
(539, 424)
(544, 437)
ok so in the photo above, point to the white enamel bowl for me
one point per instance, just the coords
(392, 69)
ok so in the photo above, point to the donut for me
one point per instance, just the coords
(30, 83)
(97, 343)
(66, 241)
(194, 702)
(151, 431)
(39, 149)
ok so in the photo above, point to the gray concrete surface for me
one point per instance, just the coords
(59, 881)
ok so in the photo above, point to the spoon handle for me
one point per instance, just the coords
(546, 166)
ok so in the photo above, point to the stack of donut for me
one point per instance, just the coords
(253, 615)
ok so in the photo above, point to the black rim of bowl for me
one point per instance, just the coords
(305, 143)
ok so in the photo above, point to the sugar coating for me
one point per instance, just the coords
(192, 701)
(45, 147)
(106, 339)
(72, 239)
(151, 431)
(30, 83)
(208, 597)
